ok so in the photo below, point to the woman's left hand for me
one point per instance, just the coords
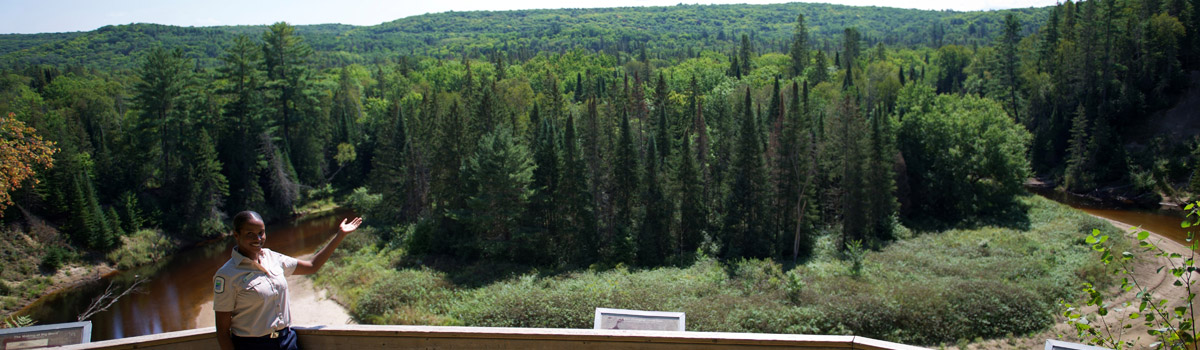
(352, 225)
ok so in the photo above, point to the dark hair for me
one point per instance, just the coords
(243, 217)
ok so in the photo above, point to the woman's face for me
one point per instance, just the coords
(251, 236)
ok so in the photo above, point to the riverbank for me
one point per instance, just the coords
(310, 306)
(1145, 271)
(984, 280)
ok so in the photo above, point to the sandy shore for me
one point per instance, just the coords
(1144, 271)
(310, 306)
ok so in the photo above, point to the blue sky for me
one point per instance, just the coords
(40, 16)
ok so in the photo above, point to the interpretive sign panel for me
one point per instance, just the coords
(638, 320)
(44, 336)
(1062, 345)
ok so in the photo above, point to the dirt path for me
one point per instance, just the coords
(309, 306)
(1144, 272)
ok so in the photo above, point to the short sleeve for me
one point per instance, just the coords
(288, 263)
(224, 298)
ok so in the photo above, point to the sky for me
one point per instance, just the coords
(42, 16)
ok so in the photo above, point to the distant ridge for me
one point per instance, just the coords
(671, 29)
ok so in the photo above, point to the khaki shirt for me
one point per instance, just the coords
(258, 300)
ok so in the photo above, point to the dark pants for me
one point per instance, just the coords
(285, 341)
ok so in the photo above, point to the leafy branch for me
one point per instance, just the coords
(1172, 327)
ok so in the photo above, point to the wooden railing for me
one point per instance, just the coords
(364, 337)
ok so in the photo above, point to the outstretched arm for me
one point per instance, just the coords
(308, 267)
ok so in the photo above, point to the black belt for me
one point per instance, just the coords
(274, 334)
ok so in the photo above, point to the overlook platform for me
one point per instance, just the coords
(367, 337)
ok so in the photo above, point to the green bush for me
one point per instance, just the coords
(54, 257)
(143, 247)
(937, 287)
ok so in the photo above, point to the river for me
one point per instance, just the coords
(177, 287)
(1162, 222)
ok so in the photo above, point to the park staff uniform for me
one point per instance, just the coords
(257, 295)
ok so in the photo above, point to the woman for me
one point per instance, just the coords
(250, 292)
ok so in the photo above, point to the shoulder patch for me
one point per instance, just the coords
(219, 285)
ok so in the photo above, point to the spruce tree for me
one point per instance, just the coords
(743, 232)
(626, 185)
(543, 216)
(203, 217)
(654, 231)
(799, 49)
(693, 213)
(578, 213)
(745, 54)
(498, 178)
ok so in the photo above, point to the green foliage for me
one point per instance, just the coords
(964, 155)
(15, 321)
(53, 258)
(141, 248)
(1171, 322)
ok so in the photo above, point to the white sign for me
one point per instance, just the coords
(639, 320)
(1062, 345)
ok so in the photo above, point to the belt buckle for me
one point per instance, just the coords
(274, 334)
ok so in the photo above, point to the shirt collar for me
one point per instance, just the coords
(237, 255)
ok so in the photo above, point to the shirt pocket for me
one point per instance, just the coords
(257, 292)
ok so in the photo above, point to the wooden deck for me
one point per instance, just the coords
(365, 337)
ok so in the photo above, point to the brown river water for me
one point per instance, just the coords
(178, 286)
(1162, 222)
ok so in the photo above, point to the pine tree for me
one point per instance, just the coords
(662, 128)
(203, 216)
(820, 72)
(1077, 176)
(543, 214)
(881, 177)
(743, 232)
(578, 215)
(799, 50)
(1009, 60)
(654, 234)
(693, 214)
(850, 162)
(498, 178)
(745, 54)
(244, 117)
(285, 57)
(625, 184)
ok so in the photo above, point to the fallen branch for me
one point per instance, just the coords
(107, 299)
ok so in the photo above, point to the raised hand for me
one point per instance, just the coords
(350, 226)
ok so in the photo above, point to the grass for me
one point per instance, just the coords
(143, 247)
(989, 281)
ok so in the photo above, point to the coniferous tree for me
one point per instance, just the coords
(799, 49)
(498, 177)
(625, 182)
(543, 214)
(204, 216)
(820, 72)
(743, 232)
(654, 231)
(693, 215)
(881, 177)
(244, 120)
(851, 186)
(578, 212)
(1009, 60)
(285, 56)
(745, 54)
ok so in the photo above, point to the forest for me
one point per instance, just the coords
(568, 140)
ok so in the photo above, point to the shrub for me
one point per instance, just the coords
(54, 257)
(143, 247)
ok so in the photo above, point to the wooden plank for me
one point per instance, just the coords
(369, 337)
(200, 338)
